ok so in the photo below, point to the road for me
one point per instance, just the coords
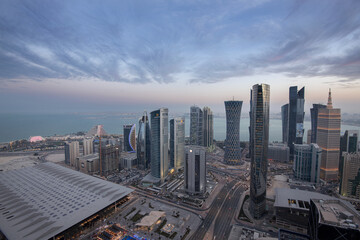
(214, 209)
(223, 221)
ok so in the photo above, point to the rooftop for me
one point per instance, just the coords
(337, 212)
(151, 219)
(42, 201)
(295, 198)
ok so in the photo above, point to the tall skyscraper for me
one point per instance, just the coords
(208, 127)
(328, 138)
(88, 146)
(314, 112)
(259, 141)
(159, 143)
(196, 126)
(285, 122)
(195, 170)
(232, 141)
(144, 143)
(130, 138)
(177, 143)
(307, 159)
(296, 117)
(71, 153)
(350, 183)
(348, 144)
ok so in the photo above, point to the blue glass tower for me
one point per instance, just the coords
(159, 143)
(232, 141)
(314, 112)
(296, 117)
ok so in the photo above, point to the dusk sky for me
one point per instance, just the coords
(77, 56)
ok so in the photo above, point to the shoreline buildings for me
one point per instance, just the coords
(328, 138)
(232, 142)
(259, 141)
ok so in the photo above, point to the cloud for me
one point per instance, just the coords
(144, 42)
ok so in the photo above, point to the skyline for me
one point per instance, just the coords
(133, 55)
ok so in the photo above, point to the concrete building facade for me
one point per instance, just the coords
(195, 170)
(307, 159)
(177, 143)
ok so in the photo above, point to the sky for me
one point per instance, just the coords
(94, 56)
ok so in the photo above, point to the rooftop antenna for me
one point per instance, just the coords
(329, 104)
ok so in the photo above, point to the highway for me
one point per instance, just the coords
(223, 221)
(214, 209)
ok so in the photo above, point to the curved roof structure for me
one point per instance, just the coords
(42, 201)
(36, 139)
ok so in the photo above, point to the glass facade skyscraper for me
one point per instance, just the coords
(307, 159)
(295, 129)
(144, 143)
(259, 141)
(130, 138)
(177, 143)
(195, 170)
(208, 127)
(314, 111)
(232, 141)
(159, 143)
(285, 122)
(196, 126)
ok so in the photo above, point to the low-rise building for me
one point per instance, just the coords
(278, 152)
(128, 160)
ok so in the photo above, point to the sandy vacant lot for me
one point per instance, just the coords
(56, 157)
(16, 162)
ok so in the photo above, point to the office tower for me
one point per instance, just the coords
(208, 127)
(350, 181)
(110, 158)
(348, 144)
(296, 117)
(285, 122)
(196, 126)
(130, 138)
(259, 141)
(159, 143)
(308, 138)
(88, 146)
(232, 141)
(307, 159)
(333, 219)
(195, 170)
(177, 143)
(144, 143)
(328, 138)
(71, 153)
(278, 152)
(314, 112)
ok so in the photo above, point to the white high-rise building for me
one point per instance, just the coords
(88, 146)
(71, 153)
(177, 143)
(195, 170)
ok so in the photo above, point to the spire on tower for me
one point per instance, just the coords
(329, 104)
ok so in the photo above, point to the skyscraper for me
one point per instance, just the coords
(314, 112)
(307, 159)
(259, 139)
(208, 127)
(88, 146)
(296, 117)
(144, 143)
(350, 183)
(328, 138)
(177, 143)
(195, 170)
(348, 144)
(196, 126)
(159, 143)
(110, 158)
(71, 153)
(232, 141)
(130, 138)
(285, 122)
